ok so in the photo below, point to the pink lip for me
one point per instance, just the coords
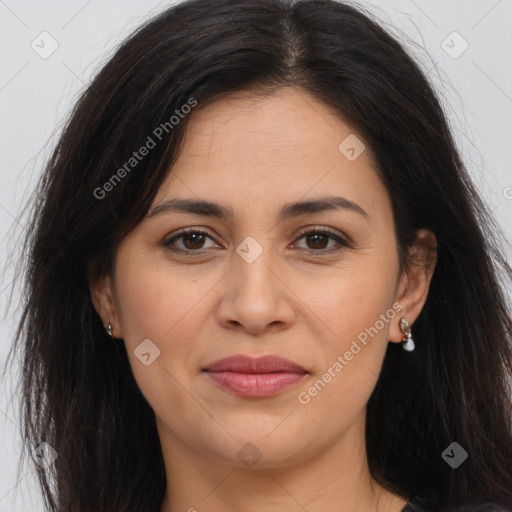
(255, 376)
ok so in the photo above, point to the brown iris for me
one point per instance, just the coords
(320, 240)
(193, 240)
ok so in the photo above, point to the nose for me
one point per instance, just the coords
(255, 297)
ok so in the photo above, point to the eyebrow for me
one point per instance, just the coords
(289, 211)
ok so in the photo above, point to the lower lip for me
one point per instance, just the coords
(255, 384)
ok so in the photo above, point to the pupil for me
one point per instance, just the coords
(317, 240)
(197, 239)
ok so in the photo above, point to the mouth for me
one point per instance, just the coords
(255, 377)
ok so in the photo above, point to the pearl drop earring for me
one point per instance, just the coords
(407, 342)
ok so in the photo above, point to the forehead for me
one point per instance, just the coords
(282, 146)
(285, 121)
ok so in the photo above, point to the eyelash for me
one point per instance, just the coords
(343, 242)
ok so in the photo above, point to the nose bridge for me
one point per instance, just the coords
(254, 273)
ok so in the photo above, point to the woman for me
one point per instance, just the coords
(253, 209)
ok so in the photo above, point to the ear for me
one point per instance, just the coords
(102, 296)
(414, 282)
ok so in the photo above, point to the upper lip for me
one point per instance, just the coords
(251, 364)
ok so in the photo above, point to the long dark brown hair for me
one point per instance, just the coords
(79, 394)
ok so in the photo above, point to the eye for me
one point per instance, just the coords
(189, 239)
(318, 240)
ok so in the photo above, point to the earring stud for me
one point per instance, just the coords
(407, 342)
(109, 330)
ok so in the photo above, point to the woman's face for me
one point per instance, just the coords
(256, 285)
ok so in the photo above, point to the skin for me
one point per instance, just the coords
(255, 155)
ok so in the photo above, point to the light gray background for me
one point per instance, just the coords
(36, 94)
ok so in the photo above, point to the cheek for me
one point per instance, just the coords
(355, 299)
(159, 305)
(168, 307)
(158, 300)
(357, 307)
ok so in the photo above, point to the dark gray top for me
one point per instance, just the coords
(490, 507)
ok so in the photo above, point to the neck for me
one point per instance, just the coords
(337, 479)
